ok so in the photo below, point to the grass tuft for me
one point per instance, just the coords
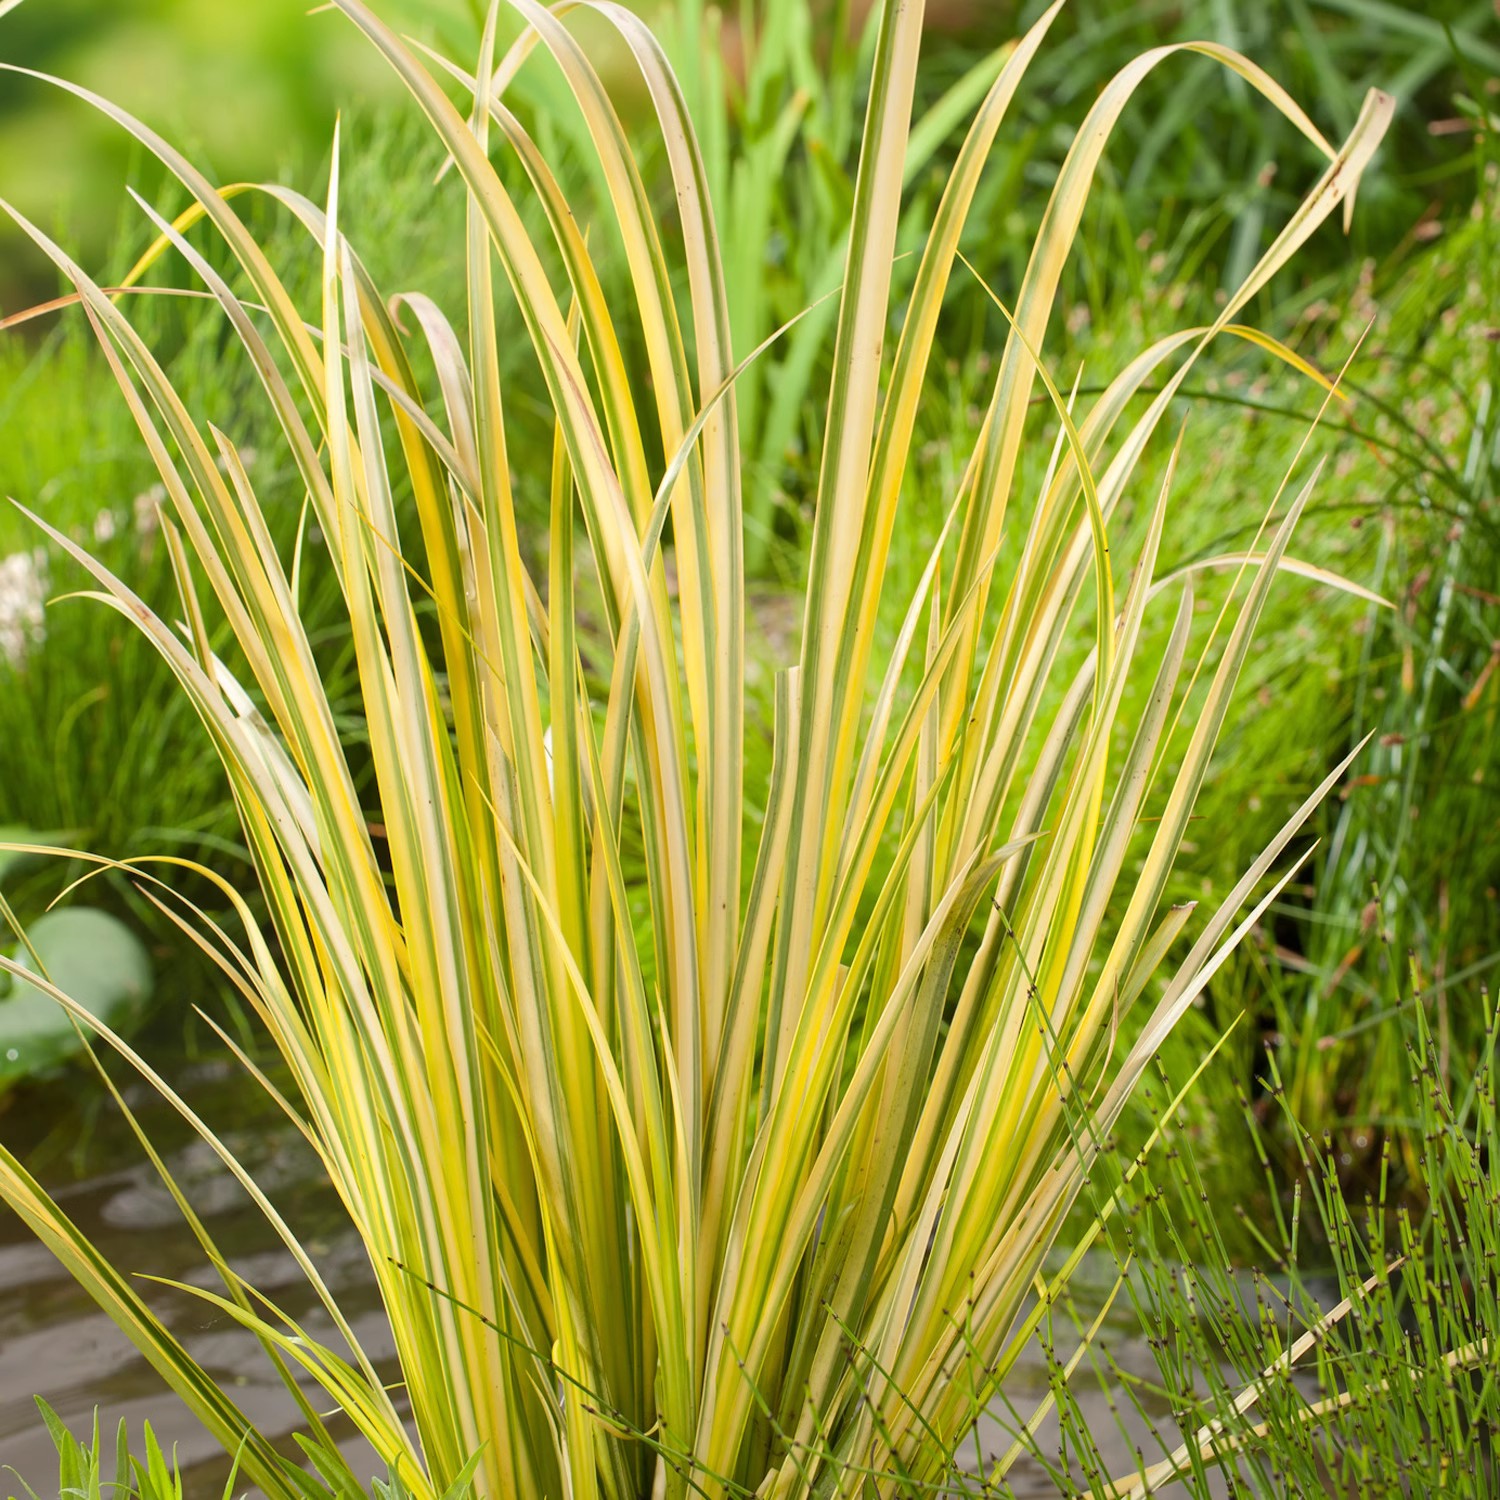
(683, 1166)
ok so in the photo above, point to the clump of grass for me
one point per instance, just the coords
(1414, 851)
(1410, 860)
(1358, 1356)
(146, 1471)
(691, 1210)
(150, 1474)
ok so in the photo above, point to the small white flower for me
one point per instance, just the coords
(23, 597)
(104, 526)
(146, 510)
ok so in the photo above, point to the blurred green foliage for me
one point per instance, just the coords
(247, 87)
(251, 88)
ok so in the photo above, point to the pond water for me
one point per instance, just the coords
(55, 1343)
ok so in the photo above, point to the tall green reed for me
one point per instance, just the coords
(780, 146)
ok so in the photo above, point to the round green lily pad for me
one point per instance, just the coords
(91, 957)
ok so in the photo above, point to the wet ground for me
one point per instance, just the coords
(55, 1343)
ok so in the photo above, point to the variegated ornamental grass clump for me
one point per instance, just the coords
(752, 1202)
